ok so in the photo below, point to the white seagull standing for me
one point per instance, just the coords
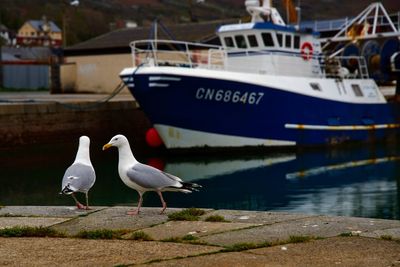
(80, 176)
(143, 177)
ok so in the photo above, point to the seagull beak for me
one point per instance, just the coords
(107, 146)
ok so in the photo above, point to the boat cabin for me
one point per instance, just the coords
(272, 49)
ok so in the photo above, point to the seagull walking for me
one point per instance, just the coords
(143, 178)
(80, 176)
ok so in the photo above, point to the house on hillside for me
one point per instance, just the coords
(7, 37)
(39, 33)
(94, 65)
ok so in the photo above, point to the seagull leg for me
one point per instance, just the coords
(78, 204)
(87, 201)
(135, 212)
(164, 205)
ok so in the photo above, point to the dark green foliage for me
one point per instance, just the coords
(299, 239)
(191, 214)
(30, 232)
(101, 234)
(215, 218)
(347, 234)
(140, 235)
(386, 237)
(246, 246)
(189, 238)
(185, 239)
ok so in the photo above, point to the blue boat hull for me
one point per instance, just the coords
(232, 108)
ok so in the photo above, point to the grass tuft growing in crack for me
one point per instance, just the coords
(215, 218)
(101, 234)
(387, 237)
(140, 235)
(299, 239)
(191, 239)
(190, 214)
(10, 215)
(246, 246)
(26, 231)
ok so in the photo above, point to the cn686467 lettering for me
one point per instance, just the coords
(226, 95)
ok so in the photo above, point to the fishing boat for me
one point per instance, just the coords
(267, 84)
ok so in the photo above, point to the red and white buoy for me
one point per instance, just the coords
(153, 139)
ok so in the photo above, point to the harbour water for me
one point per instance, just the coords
(355, 181)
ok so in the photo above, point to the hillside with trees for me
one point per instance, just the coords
(95, 17)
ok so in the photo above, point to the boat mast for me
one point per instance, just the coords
(363, 19)
(257, 10)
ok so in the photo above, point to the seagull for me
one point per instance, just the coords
(142, 177)
(80, 176)
(74, 3)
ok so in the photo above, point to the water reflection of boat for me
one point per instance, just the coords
(356, 182)
(363, 187)
(350, 164)
(210, 169)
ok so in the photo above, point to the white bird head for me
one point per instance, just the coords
(117, 141)
(83, 154)
(84, 140)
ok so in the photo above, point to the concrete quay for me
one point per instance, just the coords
(246, 238)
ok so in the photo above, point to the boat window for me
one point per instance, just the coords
(315, 86)
(252, 40)
(240, 41)
(357, 90)
(267, 39)
(296, 42)
(279, 37)
(288, 41)
(229, 42)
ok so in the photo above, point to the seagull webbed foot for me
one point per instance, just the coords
(163, 209)
(80, 206)
(132, 212)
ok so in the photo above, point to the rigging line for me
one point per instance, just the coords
(95, 104)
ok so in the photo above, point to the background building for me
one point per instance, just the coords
(39, 33)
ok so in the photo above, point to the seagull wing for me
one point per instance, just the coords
(152, 178)
(79, 177)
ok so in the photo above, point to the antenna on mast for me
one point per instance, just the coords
(257, 10)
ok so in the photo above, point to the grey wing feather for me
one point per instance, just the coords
(150, 177)
(79, 176)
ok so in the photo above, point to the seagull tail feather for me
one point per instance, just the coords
(190, 186)
(67, 190)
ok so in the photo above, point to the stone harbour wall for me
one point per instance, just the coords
(48, 122)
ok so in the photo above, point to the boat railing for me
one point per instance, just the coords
(177, 53)
(195, 55)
